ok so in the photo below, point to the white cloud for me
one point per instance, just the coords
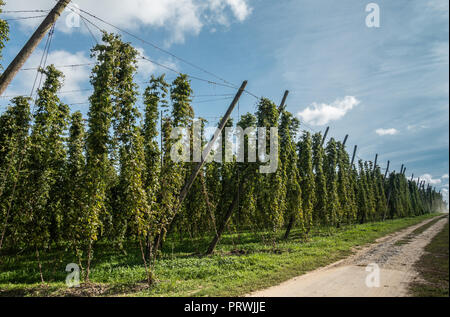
(179, 17)
(320, 114)
(240, 9)
(429, 179)
(445, 176)
(75, 77)
(390, 131)
(414, 127)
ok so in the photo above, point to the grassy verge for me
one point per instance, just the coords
(243, 263)
(433, 268)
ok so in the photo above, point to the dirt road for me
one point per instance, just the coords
(394, 255)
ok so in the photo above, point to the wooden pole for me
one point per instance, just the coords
(401, 169)
(389, 192)
(325, 135)
(412, 177)
(387, 203)
(190, 181)
(375, 164)
(31, 45)
(354, 154)
(161, 136)
(345, 140)
(387, 169)
(283, 101)
(222, 226)
(235, 202)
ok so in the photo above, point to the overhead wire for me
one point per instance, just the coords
(158, 48)
(26, 18)
(23, 11)
(227, 83)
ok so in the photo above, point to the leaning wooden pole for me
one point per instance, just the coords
(354, 154)
(223, 224)
(325, 135)
(31, 45)
(345, 140)
(187, 186)
(387, 169)
(235, 202)
(283, 102)
(376, 161)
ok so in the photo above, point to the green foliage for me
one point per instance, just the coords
(4, 32)
(14, 126)
(345, 190)
(43, 186)
(289, 171)
(307, 179)
(75, 222)
(321, 215)
(271, 190)
(333, 207)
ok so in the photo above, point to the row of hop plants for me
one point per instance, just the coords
(69, 181)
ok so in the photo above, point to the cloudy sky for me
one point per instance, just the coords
(386, 87)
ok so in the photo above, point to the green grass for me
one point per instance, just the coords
(433, 268)
(242, 263)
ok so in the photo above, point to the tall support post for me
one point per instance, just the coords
(404, 171)
(325, 135)
(401, 169)
(354, 154)
(283, 101)
(31, 45)
(235, 202)
(375, 164)
(387, 203)
(187, 186)
(387, 169)
(412, 177)
(345, 140)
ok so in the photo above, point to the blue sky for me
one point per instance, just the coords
(386, 87)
